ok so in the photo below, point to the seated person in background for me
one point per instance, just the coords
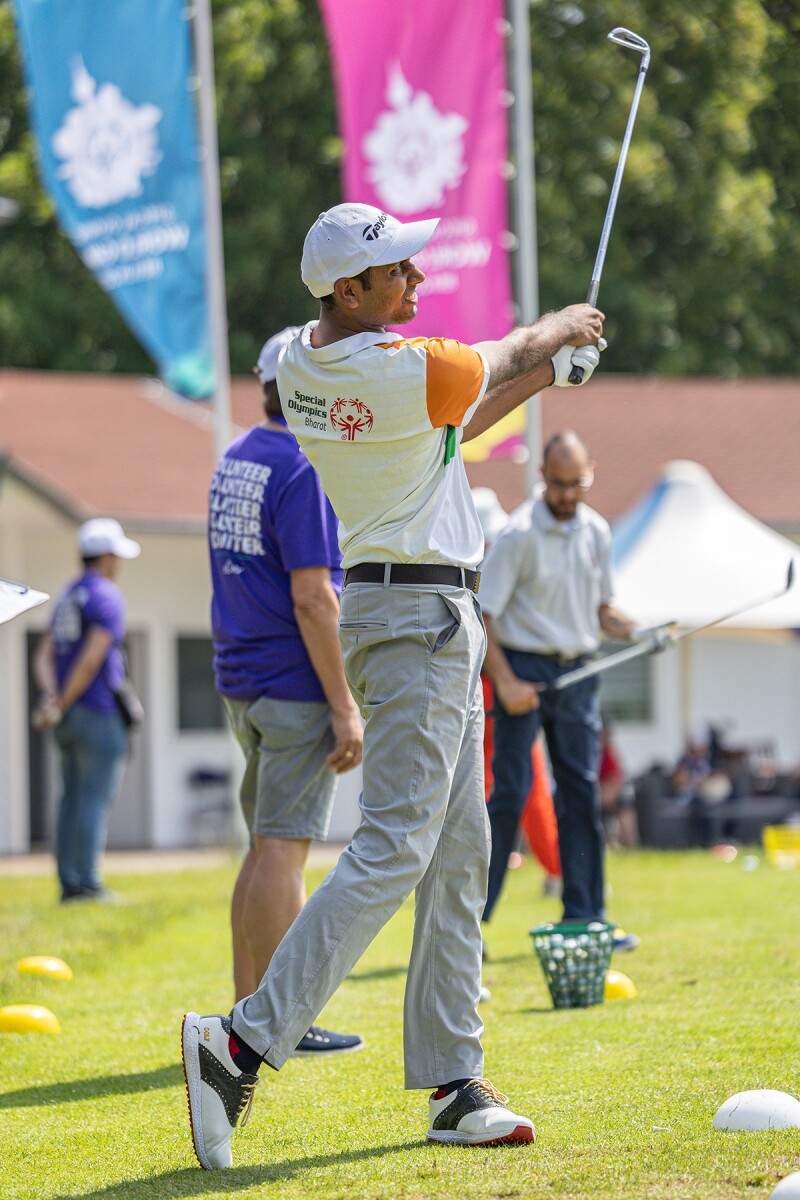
(617, 799)
(701, 782)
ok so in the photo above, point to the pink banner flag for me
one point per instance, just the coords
(421, 86)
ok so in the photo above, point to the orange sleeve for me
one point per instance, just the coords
(454, 376)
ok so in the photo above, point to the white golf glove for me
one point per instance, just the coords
(586, 357)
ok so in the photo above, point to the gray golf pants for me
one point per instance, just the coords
(412, 658)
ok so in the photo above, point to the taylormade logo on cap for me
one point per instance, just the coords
(347, 239)
(372, 231)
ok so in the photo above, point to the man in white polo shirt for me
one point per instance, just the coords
(547, 595)
(380, 418)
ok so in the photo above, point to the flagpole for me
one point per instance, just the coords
(215, 259)
(525, 208)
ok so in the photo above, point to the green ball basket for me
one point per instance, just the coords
(575, 961)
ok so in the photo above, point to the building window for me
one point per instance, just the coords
(199, 706)
(626, 691)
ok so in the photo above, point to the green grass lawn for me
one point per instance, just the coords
(623, 1094)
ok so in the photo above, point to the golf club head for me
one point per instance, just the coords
(624, 37)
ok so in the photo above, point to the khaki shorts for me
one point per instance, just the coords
(288, 788)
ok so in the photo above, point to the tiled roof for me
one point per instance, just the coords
(746, 432)
(113, 444)
(120, 445)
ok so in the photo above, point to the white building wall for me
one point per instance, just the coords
(168, 589)
(167, 592)
(748, 686)
(751, 689)
(13, 765)
(24, 521)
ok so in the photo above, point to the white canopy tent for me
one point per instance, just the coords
(688, 553)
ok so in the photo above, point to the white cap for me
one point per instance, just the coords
(104, 535)
(267, 365)
(491, 514)
(347, 239)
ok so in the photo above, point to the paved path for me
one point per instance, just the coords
(142, 862)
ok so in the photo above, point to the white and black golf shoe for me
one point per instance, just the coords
(476, 1115)
(220, 1095)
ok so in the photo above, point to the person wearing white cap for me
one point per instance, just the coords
(80, 669)
(381, 418)
(276, 577)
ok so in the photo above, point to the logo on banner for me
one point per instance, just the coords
(415, 150)
(108, 144)
(352, 417)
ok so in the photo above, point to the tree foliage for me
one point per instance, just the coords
(701, 271)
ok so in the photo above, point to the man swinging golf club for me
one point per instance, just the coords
(380, 418)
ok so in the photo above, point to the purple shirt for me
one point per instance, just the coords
(268, 515)
(90, 600)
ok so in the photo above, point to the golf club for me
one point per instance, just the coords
(657, 639)
(623, 37)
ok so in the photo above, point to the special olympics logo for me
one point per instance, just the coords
(352, 417)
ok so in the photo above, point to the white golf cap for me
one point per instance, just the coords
(347, 239)
(267, 365)
(104, 535)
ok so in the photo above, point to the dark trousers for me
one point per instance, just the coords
(571, 724)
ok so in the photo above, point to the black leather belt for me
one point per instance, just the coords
(563, 660)
(412, 573)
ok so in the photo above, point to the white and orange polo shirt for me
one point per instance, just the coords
(380, 416)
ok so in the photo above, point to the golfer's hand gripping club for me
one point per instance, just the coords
(572, 358)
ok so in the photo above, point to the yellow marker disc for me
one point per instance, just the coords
(44, 964)
(28, 1018)
(619, 986)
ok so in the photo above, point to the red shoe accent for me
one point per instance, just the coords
(521, 1134)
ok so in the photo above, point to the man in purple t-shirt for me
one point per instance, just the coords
(79, 668)
(276, 575)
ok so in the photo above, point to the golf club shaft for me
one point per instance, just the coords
(599, 262)
(600, 665)
(659, 639)
(576, 374)
(738, 612)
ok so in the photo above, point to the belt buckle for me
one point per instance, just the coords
(476, 583)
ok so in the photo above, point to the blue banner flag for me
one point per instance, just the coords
(112, 102)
